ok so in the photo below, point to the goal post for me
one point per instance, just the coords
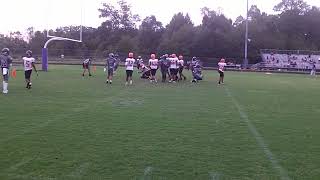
(45, 57)
(53, 37)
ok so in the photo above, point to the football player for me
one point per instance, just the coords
(153, 64)
(164, 65)
(110, 66)
(5, 64)
(129, 64)
(86, 66)
(173, 67)
(139, 62)
(181, 67)
(221, 69)
(28, 64)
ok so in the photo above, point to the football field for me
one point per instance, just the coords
(256, 126)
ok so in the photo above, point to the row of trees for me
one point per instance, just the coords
(296, 26)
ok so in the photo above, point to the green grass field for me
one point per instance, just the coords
(256, 126)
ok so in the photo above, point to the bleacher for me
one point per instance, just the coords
(289, 60)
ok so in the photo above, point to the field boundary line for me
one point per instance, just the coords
(259, 139)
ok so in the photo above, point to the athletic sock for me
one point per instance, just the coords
(5, 87)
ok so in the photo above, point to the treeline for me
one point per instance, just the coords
(296, 26)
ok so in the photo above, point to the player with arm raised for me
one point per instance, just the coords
(129, 64)
(153, 64)
(28, 64)
(5, 64)
(110, 66)
(221, 69)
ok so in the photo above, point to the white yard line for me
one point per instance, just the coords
(80, 171)
(259, 139)
(147, 173)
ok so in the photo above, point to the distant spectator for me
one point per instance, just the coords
(313, 70)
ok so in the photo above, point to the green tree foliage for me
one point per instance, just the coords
(299, 6)
(149, 36)
(178, 35)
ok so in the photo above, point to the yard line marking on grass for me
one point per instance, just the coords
(79, 171)
(23, 162)
(147, 173)
(259, 139)
(215, 176)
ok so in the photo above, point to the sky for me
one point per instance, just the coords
(43, 14)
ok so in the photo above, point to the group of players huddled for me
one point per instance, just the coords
(171, 68)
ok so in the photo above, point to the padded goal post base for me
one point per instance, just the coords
(44, 59)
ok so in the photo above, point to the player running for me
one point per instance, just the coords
(5, 64)
(173, 67)
(86, 66)
(153, 64)
(221, 69)
(181, 67)
(129, 68)
(110, 66)
(28, 64)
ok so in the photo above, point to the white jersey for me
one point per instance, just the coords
(129, 63)
(221, 66)
(27, 63)
(181, 63)
(153, 63)
(173, 63)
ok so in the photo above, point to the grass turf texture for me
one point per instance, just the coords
(69, 127)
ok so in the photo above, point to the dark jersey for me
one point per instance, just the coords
(164, 63)
(139, 61)
(5, 61)
(111, 62)
(87, 61)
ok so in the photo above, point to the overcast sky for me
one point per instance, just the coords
(41, 14)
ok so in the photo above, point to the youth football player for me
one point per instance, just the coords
(221, 69)
(139, 62)
(153, 64)
(164, 65)
(28, 64)
(173, 68)
(129, 68)
(5, 64)
(110, 66)
(86, 66)
(181, 67)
